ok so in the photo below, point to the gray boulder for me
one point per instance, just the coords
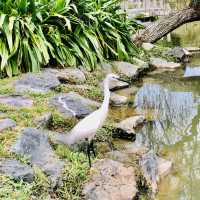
(72, 76)
(112, 180)
(74, 105)
(149, 166)
(16, 170)
(107, 67)
(127, 70)
(129, 127)
(179, 53)
(43, 121)
(6, 124)
(154, 168)
(117, 84)
(193, 49)
(118, 100)
(38, 83)
(34, 144)
(144, 66)
(68, 75)
(17, 101)
(161, 63)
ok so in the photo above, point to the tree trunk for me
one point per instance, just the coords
(165, 25)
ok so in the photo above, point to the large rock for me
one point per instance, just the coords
(161, 63)
(144, 66)
(34, 144)
(117, 84)
(107, 67)
(43, 121)
(179, 53)
(191, 72)
(118, 100)
(129, 127)
(193, 49)
(111, 181)
(17, 101)
(73, 105)
(154, 168)
(6, 124)
(127, 69)
(68, 75)
(38, 83)
(149, 166)
(16, 170)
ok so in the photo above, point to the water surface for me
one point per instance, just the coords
(174, 131)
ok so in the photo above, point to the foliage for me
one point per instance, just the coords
(35, 33)
(14, 190)
(75, 173)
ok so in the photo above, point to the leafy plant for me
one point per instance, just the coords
(34, 33)
(23, 46)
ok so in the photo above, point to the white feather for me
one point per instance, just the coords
(87, 127)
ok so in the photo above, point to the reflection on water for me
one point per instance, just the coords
(188, 35)
(174, 130)
(192, 72)
(174, 111)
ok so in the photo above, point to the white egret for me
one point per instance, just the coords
(87, 127)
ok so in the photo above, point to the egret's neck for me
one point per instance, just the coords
(106, 95)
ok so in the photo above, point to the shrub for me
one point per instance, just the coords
(34, 33)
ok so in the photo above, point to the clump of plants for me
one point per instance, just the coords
(34, 33)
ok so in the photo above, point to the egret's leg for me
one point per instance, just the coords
(92, 148)
(88, 152)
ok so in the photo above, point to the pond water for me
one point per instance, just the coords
(187, 35)
(178, 127)
(171, 101)
(173, 98)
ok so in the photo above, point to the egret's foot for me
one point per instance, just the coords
(92, 148)
(88, 154)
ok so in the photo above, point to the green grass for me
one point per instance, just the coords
(76, 170)
(75, 173)
(10, 189)
(159, 52)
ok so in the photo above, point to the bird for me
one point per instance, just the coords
(86, 129)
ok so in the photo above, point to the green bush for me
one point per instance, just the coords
(34, 33)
